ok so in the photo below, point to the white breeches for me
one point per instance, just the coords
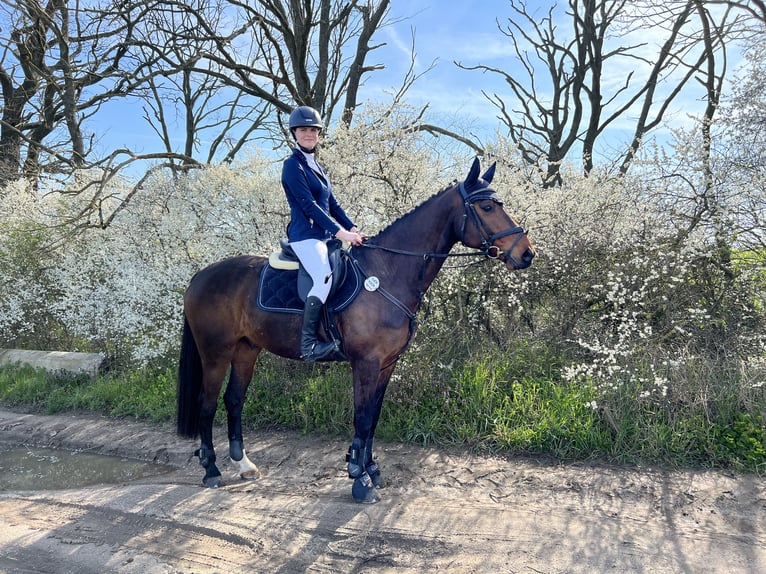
(314, 258)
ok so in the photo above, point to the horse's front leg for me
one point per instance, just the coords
(369, 390)
(234, 399)
(370, 464)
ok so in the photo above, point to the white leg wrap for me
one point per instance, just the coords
(247, 468)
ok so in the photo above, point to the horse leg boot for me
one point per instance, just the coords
(206, 456)
(247, 468)
(363, 489)
(371, 466)
(311, 349)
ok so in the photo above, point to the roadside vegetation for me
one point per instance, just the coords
(487, 403)
(628, 340)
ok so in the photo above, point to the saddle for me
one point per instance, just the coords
(285, 284)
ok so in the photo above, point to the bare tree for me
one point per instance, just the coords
(225, 71)
(754, 8)
(40, 87)
(60, 63)
(563, 100)
(285, 53)
(700, 54)
(182, 87)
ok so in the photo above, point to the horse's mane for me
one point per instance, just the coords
(480, 184)
(412, 212)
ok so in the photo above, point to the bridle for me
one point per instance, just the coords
(487, 237)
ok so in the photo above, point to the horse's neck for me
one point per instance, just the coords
(428, 230)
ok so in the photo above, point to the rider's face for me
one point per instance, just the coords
(307, 136)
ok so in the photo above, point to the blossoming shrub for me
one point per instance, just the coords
(637, 332)
(27, 268)
(660, 326)
(119, 289)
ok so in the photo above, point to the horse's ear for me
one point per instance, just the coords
(473, 174)
(489, 174)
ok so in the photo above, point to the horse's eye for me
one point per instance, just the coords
(487, 207)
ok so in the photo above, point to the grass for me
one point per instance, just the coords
(146, 395)
(484, 404)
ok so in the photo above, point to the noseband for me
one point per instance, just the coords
(487, 237)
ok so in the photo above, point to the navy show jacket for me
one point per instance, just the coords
(314, 212)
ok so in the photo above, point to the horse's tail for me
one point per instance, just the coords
(189, 385)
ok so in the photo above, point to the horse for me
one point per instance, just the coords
(225, 330)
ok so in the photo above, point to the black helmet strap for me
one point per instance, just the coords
(306, 150)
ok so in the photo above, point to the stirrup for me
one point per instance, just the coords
(319, 351)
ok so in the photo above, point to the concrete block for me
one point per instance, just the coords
(88, 363)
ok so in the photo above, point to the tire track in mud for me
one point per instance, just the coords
(137, 539)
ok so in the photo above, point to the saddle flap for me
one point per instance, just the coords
(279, 290)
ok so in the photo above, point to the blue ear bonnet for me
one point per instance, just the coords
(481, 190)
(475, 188)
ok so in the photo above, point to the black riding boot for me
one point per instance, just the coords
(311, 349)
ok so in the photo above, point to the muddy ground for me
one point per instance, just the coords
(441, 510)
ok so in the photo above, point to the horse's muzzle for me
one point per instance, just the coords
(519, 263)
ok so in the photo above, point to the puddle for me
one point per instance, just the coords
(23, 468)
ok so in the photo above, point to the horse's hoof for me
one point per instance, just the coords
(212, 481)
(363, 491)
(254, 474)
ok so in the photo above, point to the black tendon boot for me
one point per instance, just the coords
(311, 349)
(363, 489)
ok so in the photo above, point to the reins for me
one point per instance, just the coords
(424, 254)
(430, 255)
(487, 249)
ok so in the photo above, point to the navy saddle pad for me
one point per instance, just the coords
(278, 290)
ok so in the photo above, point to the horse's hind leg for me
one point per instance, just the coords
(211, 384)
(236, 391)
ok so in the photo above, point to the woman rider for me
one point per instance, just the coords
(315, 218)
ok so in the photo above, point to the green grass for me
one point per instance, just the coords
(147, 395)
(497, 404)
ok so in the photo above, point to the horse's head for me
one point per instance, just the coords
(487, 226)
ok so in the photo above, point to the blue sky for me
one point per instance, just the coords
(445, 31)
(454, 30)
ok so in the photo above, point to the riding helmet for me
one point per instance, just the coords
(304, 116)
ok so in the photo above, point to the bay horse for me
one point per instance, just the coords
(225, 329)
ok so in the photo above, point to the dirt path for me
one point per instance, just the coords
(441, 511)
